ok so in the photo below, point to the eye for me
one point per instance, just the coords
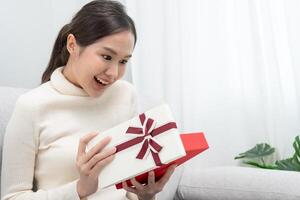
(123, 61)
(107, 57)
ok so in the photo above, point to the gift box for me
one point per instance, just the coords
(143, 143)
(194, 144)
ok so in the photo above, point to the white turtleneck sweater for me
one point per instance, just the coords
(42, 137)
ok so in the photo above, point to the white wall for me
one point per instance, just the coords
(27, 33)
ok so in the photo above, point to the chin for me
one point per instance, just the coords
(96, 94)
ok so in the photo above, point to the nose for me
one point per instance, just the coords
(112, 71)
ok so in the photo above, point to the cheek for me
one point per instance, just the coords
(122, 70)
(89, 67)
(90, 59)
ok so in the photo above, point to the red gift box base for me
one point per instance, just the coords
(194, 144)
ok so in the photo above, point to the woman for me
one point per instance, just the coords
(80, 93)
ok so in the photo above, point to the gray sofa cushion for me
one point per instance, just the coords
(239, 183)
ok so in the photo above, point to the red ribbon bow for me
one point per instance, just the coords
(147, 132)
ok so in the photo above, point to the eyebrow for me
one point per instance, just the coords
(114, 52)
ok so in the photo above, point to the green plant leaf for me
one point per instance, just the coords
(255, 157)
(288, 164)
(296, 145)
(256, 164)
(260, 150)
(293, 163)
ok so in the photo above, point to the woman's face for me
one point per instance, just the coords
(97, 66)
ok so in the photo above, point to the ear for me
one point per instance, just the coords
(72, 46)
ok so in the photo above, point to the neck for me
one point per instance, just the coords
(69, 74)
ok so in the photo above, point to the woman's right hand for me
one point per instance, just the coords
(90, 164)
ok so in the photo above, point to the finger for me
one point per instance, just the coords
(98, 157)
(151, 178)
(101, 164)
(128, 189)
(96, 149)
(83, 142)
(136, 184)
(161, 183)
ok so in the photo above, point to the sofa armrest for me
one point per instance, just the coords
(236, 183)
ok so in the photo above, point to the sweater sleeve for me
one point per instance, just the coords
(19, 152)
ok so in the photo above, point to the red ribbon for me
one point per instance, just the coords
(147, 132)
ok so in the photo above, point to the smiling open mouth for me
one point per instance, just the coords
(100, 81)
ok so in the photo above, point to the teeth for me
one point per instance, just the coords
(102, 81)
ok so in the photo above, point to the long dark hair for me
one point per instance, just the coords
(95, 20)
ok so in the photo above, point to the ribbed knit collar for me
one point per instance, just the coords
(63, 85)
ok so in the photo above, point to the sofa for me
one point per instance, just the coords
(193, 182)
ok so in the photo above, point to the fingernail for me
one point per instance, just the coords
(94, 133)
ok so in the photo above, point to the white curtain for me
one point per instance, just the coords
(228, 68)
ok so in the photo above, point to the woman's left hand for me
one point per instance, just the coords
(148, 192)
